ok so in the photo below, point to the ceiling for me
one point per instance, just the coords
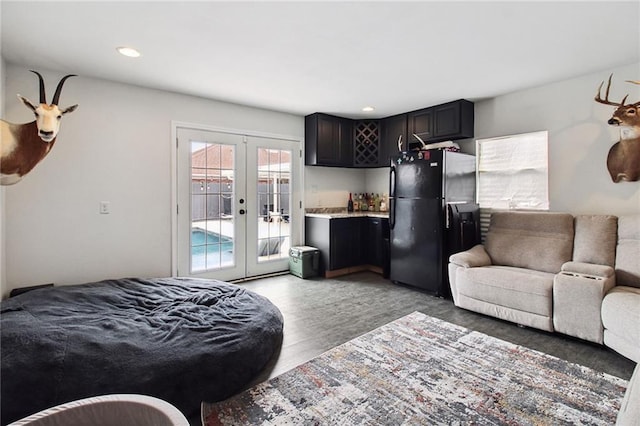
(334, 57)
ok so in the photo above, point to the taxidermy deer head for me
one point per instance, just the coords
(623, 160)
(23, 146)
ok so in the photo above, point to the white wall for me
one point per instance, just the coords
(330, 186)
(115, 147)
(377, 180)
(579, 138)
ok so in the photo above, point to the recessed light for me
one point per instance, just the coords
(128, 51)
(368, 109)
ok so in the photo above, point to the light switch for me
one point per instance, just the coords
(105, 207)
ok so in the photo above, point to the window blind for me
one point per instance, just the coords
(512, 172)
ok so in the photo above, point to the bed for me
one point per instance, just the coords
(181, 340)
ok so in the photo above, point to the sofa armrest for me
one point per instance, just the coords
(587, 270)
(630, 409)
(578, 291)
(475, 257)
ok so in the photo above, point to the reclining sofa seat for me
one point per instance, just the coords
(621, 305)
(511, 276)
(578, 290)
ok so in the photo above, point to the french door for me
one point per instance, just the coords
(236, 196)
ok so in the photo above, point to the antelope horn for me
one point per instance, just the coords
(43, 95)
(56, 96)
(624, 99)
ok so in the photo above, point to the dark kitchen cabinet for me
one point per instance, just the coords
(366, 143)
(346, 242)
(393, 129)
(453, 120)
(339, 241)
(328, 140)
(350, 242)
(377, 229)
(342, 142)
(450, 121)
(420, 123)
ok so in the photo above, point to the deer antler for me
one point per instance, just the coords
(634, 82)
(606, 100)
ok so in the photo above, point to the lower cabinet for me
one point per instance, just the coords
(347, 242)
(375, 241)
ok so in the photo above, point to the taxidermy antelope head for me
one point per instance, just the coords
(623, 160)
(23, 146)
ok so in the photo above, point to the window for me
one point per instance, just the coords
(512, 172)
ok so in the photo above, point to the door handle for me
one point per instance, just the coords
(392, 213)
(392, 196)
(392, 180)
(241, 211)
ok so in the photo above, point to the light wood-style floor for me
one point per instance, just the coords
(320, 314)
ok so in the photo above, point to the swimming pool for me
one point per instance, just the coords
(210, 250)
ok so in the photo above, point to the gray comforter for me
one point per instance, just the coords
(181, 340)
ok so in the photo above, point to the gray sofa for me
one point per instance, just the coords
(621, 305)
(579, 276)
(629, 414)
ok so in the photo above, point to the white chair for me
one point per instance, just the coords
(109, 410)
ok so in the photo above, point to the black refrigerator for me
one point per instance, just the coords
(431, 214)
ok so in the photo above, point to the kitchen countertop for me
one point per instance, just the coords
(343, 214)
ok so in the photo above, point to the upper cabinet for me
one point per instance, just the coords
(450, 121)
(336, 141)
(453, 120)
(394, 134)
(328, 140)
(420, 123)
(366, 143)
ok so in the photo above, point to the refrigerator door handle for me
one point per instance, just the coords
(392, 196)
(392, 181)
(392, 213)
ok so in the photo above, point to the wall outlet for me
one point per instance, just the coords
(105, 207)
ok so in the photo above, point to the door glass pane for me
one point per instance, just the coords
(212, 173)
(274, 169)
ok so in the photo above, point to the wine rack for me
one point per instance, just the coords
(366, 142)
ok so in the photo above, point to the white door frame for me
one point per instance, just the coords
(254, 266)
(297, 215)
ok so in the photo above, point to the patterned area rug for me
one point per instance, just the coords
(421, 370)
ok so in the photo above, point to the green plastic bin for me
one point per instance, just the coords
(304, 261)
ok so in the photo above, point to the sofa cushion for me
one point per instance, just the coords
(621, 319)
(521, 289)
(628, 251)
(595, 239)
(534, 240)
